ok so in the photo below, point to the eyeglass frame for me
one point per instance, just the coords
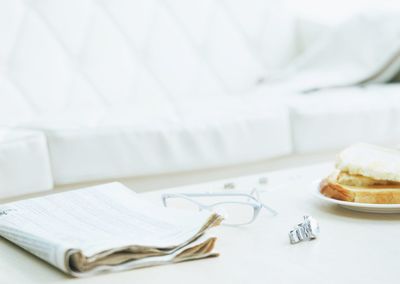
(256, 203)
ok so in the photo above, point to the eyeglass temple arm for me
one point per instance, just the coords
(274, 212)
(165, 196)
(257, 196)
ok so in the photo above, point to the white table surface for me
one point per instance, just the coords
(353, 247)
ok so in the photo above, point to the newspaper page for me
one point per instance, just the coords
(98, 221)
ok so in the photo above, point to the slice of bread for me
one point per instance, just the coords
(365, 174)
(370, 161)
(378, 194)
(359, 180)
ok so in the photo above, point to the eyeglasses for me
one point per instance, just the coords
(236, 208)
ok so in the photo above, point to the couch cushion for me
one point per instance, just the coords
(348, 55)
(155, 139)
(24, 163)
(332, 119)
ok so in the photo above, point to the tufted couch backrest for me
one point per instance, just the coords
(61, 54)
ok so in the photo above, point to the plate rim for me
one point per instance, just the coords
(319, 195)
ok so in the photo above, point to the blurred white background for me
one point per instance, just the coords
(94, 90)
(333, 12)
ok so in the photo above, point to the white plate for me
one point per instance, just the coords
(361, 207)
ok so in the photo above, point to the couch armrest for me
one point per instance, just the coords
(24, 163)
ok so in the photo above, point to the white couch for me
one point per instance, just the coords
(124, 88)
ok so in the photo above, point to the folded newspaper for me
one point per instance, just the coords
(106, 228)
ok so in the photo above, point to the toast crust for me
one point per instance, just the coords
(372, 195)
(335, 191)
